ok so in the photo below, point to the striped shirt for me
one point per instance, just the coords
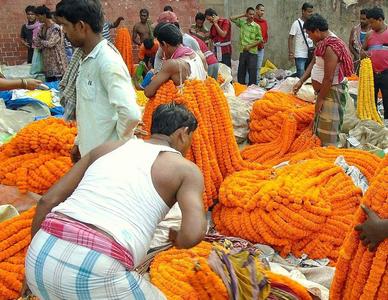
(249, 34)
(106, 31)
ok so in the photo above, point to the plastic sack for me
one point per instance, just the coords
(305, 93)
(226, 73)
(370, 132)
(22, 202)
(350, 120)
(7, 212)
(268, 66)
(354, 173)
(252, 93)
(37, 62)
(11, 121)
(240, 111)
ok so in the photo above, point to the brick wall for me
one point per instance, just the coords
(13, 52)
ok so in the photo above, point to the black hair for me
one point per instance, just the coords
(167, 118)
(249, 8)
(30, 8)
(148, 43)
(43, 10)
(316, 21)
(210, 12)
(200, 16)
(375, 13)
(168, 33)
(307, 5)
(259, 5)
(168, 8)
(144, 10)
(149, 59)
(177, 25)
(363, 11)
(88, 11)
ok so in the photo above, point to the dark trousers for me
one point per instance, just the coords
(54, 78)
(381, 83)
(227, 59)
(248, 62)
(29, 55)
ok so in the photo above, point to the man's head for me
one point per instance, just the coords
(168, 8)
(307, 10)
(375, 18)
(315, 26)
(363, 19)
(260, 10)
(144, 14)
(148, 43)
(209, 14)
(42, 13)
(169, 37)
(30, 13)
(250, 13)
(176, 122)
(199, 19)
(80, 19)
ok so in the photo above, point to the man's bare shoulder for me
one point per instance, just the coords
(171, 161)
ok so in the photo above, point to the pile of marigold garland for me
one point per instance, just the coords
(268, 114)
(360, 273)
(214, 148)
(124, 45)
(15, 237)
(299, 208)
(38, 155)
(186, 274)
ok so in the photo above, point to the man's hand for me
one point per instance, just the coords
(25, 292)
(33, 84)
(291, 56)
(75, 155)
(297, 86)
(172, 236)
(246, 48)
(120, 19)
(318, 106)
(373, 230)
(215, 19)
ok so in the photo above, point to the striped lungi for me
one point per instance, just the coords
(57, 269)
(328, 123)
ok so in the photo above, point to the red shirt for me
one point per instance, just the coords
(379, 55)
(264, 30)
(225, 25)
(210, 57)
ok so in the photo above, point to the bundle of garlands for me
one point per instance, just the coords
(302, 208)
(366, 162)
(38, 155)
(268, 114)
(124, 45)
(186, 274)
(360, 273)
(366, 106)
(282, 148)
(214, 148)
(15, 237)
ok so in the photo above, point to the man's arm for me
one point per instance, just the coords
(220, 31)
(190, 200)
(234, 18)
(122, 96)
(364, 51)
(168, 69)
(116, 23)
(134, 35)
(63, 189)
(291, 47)
(351, 44)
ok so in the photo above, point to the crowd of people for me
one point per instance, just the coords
(97, 202)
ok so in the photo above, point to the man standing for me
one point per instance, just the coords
(142, 30)
(220, 34)
(357, 38)
(376, 43)
(108, 26)
(250, 39)
(259, 19)
(198, 29)
(106, 108)
(93, 228)
(32, 26)
(298, 41)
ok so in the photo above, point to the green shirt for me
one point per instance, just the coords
(249, 34)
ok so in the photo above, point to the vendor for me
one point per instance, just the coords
(182, 62)
(95, 225)
(329, 68)
(10, 84)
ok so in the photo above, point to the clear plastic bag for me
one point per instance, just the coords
(11, 121)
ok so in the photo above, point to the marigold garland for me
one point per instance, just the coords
(15, 237)
(214, 148)
(38, 155)
(239, 88)
(268, 115)
(297, 209)
(361, 274)
(366, 107)
(124, 45)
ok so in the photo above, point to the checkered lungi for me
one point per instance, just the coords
(58, 269)
(328, 123)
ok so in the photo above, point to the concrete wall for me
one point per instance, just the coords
(280, 14)
(12, 18)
